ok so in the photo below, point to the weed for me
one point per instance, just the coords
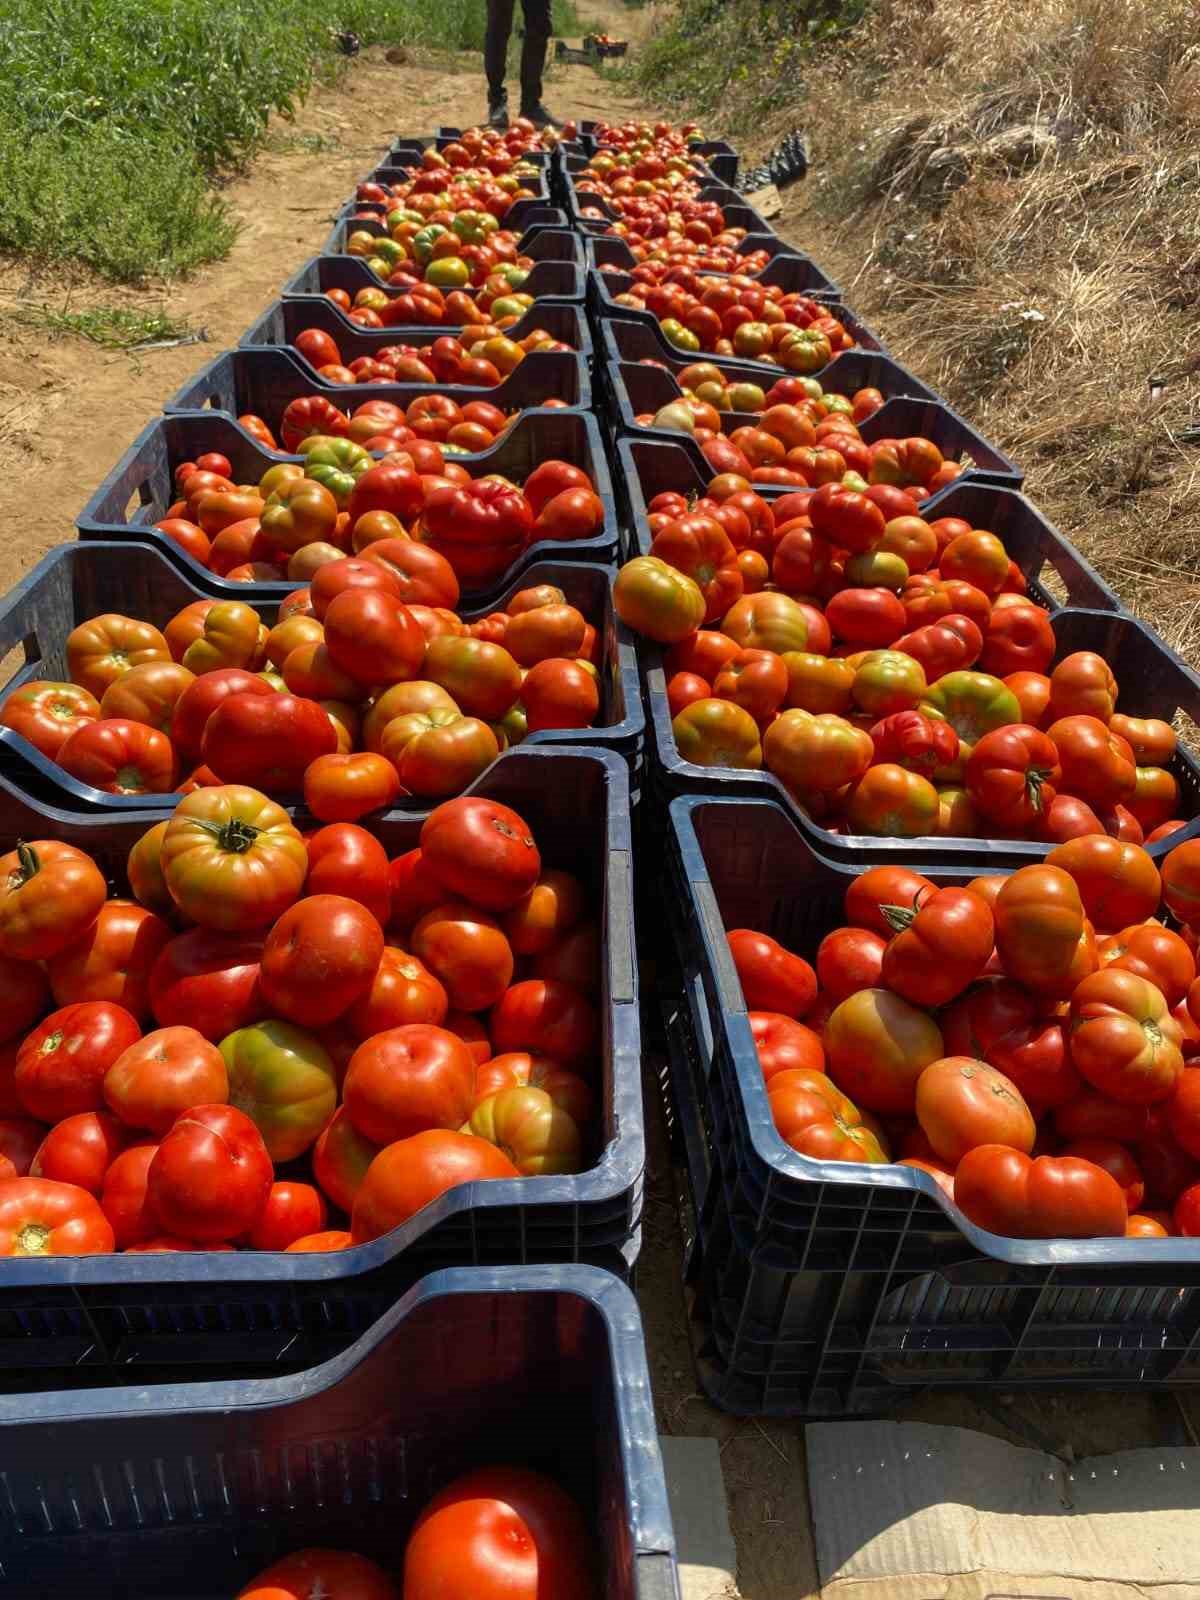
(111, 327)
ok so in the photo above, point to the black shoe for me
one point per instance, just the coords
(497, 116)
(540, 117)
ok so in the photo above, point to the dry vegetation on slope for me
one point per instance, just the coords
(1010, 191)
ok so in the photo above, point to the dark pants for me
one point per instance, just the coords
(533, 53)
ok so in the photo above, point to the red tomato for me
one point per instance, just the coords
(319, 958)
(61, 1065)
(268, 742)
(500, 1533)
(877, 1046)
(164, 1074)
(292, 1210)
(24, 995)
(112, 960)
(1123, 1038)
(467, 951)
(963, 1103)
(344, 859)
(209, 981)
(939, 948)
(210, 1176)
(1052, 1197)
(50, 893)
(340, 1159)
(409, 1174)
(482, 851)
(783, 1044)
(1116, 1160)
(773, 979)
(547, 1018)
(883, 886)
(80, 1150)
(407, 1080)
(1152, 952)
(39, 1217)
(849, 959)
(1186, 1216)
(200, 699)
(342, 788)
(403, 991)
(415, 888)
(123, 1197)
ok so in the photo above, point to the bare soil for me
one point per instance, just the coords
(68, 411)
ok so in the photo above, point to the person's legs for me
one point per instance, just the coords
(533, 54)
(495, 46)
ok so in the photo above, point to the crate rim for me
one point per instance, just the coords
(788, 1163)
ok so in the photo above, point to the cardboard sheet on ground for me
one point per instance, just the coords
(909, 1511)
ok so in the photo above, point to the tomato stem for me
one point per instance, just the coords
(898, 918)
(236, 835)
(29, 862)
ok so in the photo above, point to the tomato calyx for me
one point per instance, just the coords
(32, 1238)
(507, 831)
(29, 865)
(1034, 780)
(236, 836)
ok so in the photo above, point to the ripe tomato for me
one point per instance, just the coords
(321, 1243)
(501, 1533)
(61, 1065)
(773, 979)
(1082, 685)
(403, 991)
(1097, 765)
(467, 951)
(320, 957)
(39, 1217)
(47, 713)
(1142, 1225)
(1123, 1038)
(112, 959)
(123, 1196)
(209, 981)
(560, 694)
(884, 886)
(340, 1159)
(783, 1044)
(409, 1079)
(292, 1210)
(542, 918)
(939, 947)
(877, 1046)
(104, 648)
(890, 801)
(50, 893)
(1052, 1197)
(1001, 1022)
(1118, 882)
(816, 1119)
(409, 1174)
(80, 1150)
(1040, 930)
(963, 1103)
(481, 851)
(284, 1080)
(232, 859)
(654, 599)
(717, 733)
(268, 741)
(545, 1017)
(699, 547)
(1154, 953)
(201, 698)
(1010, 775)
(317, 1574)
(210, 1177)
(342, 788)
(849, 959)
(347, 860)
(169, 1071)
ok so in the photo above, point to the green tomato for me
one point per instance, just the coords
(423, 242)
(336, 463)
(888, 681)
(675, 333)
(878, 569)
(448, 272)
(973, 703)
(284, 1080)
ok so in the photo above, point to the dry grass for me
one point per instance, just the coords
(1010, 191)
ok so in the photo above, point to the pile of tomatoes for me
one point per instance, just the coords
(697, 313)
(897, 678)
(707, 395)
(481, 361)
(429, 260)
(1027, 1040)
(368, 688)
(457, 179)
(412, 302)
(497, 1533)
(275, 1025)
(341, 500)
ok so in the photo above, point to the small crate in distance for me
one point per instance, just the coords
(557, 273)
(71, 1322)
(191, 1490)
(605, 47)
(825, 1288)
(569, 56)
(78, 581)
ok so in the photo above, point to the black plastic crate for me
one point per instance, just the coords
(72, 1321)
(557, 274)
(284, 319)
(605, 252)
(1154, 683)
(712, 158)
(191, 1490)
(522, 215)
(631, 389)
(621, 339)
(78, 581)
(264, 381)
(141, 487)
(638, 334)
(825, 1287)
(788, 269)
(737, 214)
(586, 206)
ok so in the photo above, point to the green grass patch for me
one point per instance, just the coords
(110, 327)
(116, 115)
